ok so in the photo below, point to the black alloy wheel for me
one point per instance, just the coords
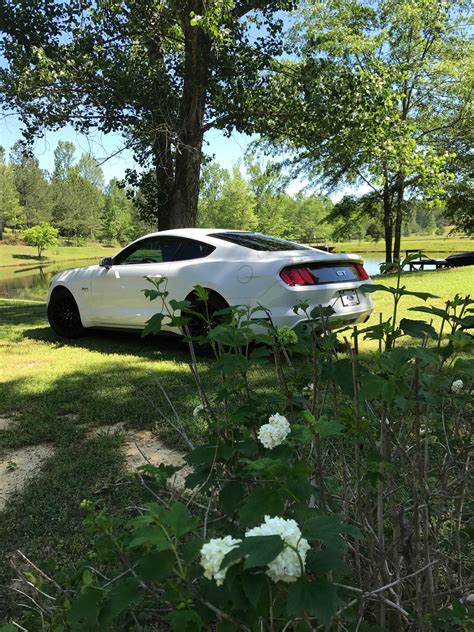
(63, 314)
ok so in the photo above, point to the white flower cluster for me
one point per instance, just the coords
(286, 567)
(212, 554)
(198, 410)
(274, 432)
(457, 386)
(290, 563)
(308, 390)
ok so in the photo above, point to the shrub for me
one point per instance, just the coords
(41, 237)
(334, 500)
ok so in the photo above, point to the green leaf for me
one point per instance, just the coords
(464, 366)
(231, 496)
(152, 536)
(317, 599)
(259, 503)
(433, 311)
(86, 607)
(185, 621)
(328, 427)
(372, 388)
(156, 566)
(255, 586)
(180, 520)
(258, 550)
(153, 325)
(325, 528)
(203, 456)
(369, 288)
(122, 595)
(417, 328)
(231, 363)
(423, 295)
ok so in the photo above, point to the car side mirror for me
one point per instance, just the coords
(106, 262)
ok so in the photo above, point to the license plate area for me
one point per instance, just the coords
(349, 298)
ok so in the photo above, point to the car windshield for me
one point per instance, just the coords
(255, 241)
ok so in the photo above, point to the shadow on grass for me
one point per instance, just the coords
(62, 409)
(22, 314)
(30, 258)
(44, 520)
(173, 348)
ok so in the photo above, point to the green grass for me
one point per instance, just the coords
(428, 244)
(18, 255)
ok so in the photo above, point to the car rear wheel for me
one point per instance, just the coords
(63, 314)
(200, 326)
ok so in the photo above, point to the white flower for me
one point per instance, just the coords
(288, 565)
(308, 390)
(457, 386)
(274, 432)
(212, 555)
(198, 410)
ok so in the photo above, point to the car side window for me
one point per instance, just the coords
(144, 251)
(191, 249)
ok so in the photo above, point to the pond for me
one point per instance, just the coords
(32, 282)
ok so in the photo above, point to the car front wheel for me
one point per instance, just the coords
(63, 314)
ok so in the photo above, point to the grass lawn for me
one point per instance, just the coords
(443, 283)
(56, 392)
(27, 255)
(429, 244)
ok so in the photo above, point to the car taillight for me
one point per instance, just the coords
(299, 275)
(361, 271)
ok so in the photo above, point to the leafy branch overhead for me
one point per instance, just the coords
(158, 74)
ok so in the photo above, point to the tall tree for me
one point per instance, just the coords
(268, 183)
(373, 86)
(11, 212)
(117, 216)
(77, 206)
(227, 201)
(159, 73)
(31, 184)
(63, 158)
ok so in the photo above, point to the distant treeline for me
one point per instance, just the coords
(75, 199)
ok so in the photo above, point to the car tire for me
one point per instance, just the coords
(63, 314)
(198, 327)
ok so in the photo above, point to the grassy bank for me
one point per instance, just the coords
(429, 244)
(20, 255)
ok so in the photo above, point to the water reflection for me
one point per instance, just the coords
(32, 282)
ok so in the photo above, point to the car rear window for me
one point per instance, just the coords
(255, 241)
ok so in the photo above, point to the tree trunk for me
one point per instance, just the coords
(399, 216)
(387, 221)
(164, 177)
(185, 192)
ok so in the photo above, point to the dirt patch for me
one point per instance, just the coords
(142, 446)
(6, 423)
(19, 466)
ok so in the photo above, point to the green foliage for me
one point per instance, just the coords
(340, 479)
(41, 237)
(368, 96)
(158, 78)
(11, 212)
(226, 201)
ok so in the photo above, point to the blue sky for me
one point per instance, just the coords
(227, 151)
